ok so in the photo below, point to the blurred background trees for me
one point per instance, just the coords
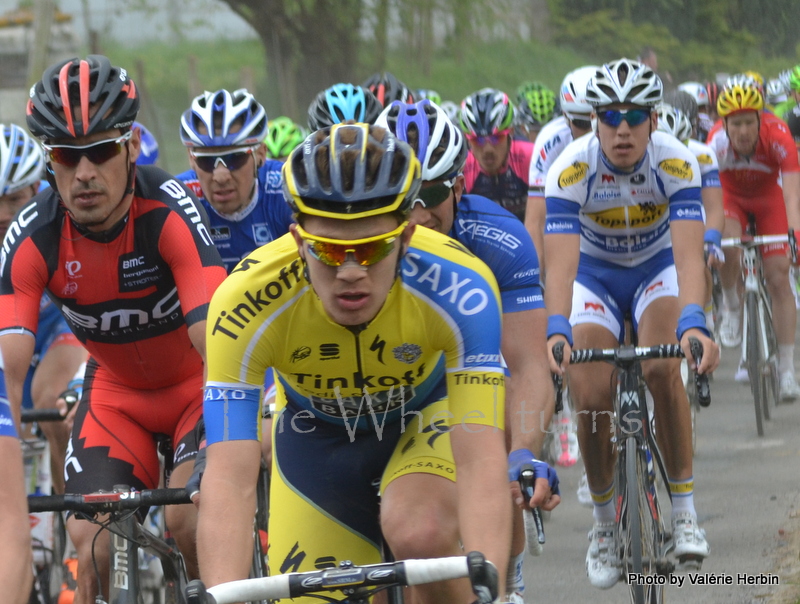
(288, 50)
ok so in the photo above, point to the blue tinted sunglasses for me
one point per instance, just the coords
(614, 117)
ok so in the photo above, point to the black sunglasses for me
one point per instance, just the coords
(434, 195)
(97, 153)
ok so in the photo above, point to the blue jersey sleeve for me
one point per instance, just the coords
(501, 241)
(278, 211)
(563, 216)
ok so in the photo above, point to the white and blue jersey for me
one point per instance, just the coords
(707, 160)
(266, 218)
(498, 238)
(552, 140)
(623, 217)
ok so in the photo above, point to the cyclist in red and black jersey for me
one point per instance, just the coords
(497, 166)
(126, 255)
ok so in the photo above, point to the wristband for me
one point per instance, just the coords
(692, 317)
(713, 236)
(559, 325)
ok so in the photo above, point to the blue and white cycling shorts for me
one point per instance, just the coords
(604, 292)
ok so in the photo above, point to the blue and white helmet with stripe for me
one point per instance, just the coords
(224, 119)
(21, 159)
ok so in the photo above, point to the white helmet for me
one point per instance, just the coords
(208, 122)
(452, 110)
(776, 92)
(438, 143)
(573, 92)
(624, 81)
(698, 92)
(674, 122)
(21, 159)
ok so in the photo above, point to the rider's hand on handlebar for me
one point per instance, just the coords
(555, 367)
(68, 409)
(546, 494)
(716, 258)
(710, 359)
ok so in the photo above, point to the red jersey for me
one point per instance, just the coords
(510, 187)
(128, 294)
(756, 177)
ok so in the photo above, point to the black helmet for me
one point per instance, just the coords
(96, 97)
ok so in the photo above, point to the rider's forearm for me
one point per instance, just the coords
(484, 510)
(534, 224)
(227, 507)
(529, 407)
(17, 351)
(791, 195)
(529, 390)
(715, 212)
(687, 249)
(563, 253)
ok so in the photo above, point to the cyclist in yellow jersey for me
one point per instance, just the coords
(385, 340)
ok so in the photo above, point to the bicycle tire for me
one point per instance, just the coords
(752, 354)
(642, 531)
(771, 369)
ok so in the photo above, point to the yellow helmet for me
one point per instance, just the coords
(756, 76)
(739, 95)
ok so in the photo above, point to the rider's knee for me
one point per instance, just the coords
(425, 535)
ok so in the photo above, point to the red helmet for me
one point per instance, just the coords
(79, 97)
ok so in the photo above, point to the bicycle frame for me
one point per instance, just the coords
(127, 537)
(759, 345)
(639, 518)
(751, 271)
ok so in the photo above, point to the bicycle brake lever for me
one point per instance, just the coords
(558, 381)
(700, 380)
(483, 576)
(196, 593)
(534, 525)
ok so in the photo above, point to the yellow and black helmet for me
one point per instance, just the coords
(351, 171)
(741, 93)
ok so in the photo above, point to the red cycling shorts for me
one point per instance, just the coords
(113, 440)
(770, 217)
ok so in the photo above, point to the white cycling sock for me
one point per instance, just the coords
(514, 580)
(682, 496)
(604, 509)
(730, 298)
(786, 358)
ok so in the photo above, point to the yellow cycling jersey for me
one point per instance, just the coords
(437, 335)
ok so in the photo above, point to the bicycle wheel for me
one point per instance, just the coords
(770, 369)
(642, 522)
(691, 394)
(753, 356)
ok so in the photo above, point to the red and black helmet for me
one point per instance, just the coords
(387, 88)
(79, 97)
